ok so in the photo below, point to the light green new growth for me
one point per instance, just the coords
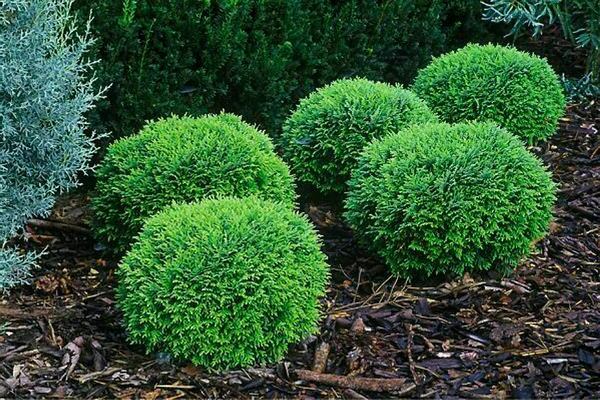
(224, 283)
(183, 159)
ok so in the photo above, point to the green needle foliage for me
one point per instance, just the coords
(518, 91)
(183, 159)
(445, 199)
(224, 283)
(322, 139)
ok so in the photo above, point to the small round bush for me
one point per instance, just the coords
(516, 90)
(183, 159)
(443, 199)
(224, 283)
(322, 139)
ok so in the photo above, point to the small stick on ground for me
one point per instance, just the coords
(20, 313)
(61, 226)
(321, 355)
(97, 374)
(357, 383)
(263, 373)
(351, 394)
(409, 351)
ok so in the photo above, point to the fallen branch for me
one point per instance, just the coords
(19, 313)
(357, 383)
(61, 226)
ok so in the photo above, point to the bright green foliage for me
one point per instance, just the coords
(445, 199)
(224, 283)
(323, 138)
(256, 58)
(182, 159)
(518, 91)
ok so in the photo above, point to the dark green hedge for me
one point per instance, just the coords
(256, 58)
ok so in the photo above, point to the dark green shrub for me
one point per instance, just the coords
(443, 200)
(462, 24)
(518, 91)
(323, 138)
(254, 58)
(183, 159)
(224, 283)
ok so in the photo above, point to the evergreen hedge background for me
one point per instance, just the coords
(256, 58)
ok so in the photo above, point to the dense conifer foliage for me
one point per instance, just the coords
(224, 283)
(322, 139)
(519, 91)
(448, 199)
(183, 159)
(45, 90)
(257, 58)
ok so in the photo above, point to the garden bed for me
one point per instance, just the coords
(535, 333)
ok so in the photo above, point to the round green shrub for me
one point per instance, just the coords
(443, 199)
(322, 139)
(224, 283)
(516, 90)
(183, 159)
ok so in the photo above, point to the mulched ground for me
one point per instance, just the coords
(533, 334)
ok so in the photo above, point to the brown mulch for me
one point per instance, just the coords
(533, 334)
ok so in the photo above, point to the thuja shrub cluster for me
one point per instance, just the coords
(224, 283)
(183, 159)
(225, 274)
(444, 199)
(517, 90)
(322, 139)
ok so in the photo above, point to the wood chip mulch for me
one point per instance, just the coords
(533, 334)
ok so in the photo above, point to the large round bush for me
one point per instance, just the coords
(518, 91)
(443, 200)
(182, 159)
(324, 136)
(224, 283)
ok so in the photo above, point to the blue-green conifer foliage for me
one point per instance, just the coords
(45, 90)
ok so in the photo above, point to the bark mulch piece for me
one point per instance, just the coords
(533, 334)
